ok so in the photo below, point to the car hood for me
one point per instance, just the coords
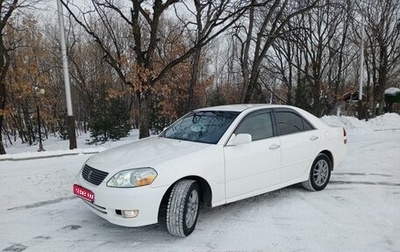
(146, 152)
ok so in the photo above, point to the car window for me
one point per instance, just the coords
(307, 125)
(289, 122)
(202, 126)
(259, 126)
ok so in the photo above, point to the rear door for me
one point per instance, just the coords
(299, 140)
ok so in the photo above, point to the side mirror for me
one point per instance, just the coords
(239, 139)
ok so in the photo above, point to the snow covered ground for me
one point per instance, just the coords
(358, 211)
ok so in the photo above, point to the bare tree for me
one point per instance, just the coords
(309, 59)
(340, 54)
(382, 20)
(8, 8)
(263, 25)
(322, 47)
(202, 14)
(143, 19)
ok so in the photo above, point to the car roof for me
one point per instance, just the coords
(252, 107)
(236, 107)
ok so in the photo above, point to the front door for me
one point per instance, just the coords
(253, 167)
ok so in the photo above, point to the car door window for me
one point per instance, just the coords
(307, 125)
(259, 126)
(289, 122)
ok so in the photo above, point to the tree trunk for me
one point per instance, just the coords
(192, 103)
(2, 150)
(144, 116)
(4, 64)
(2, 105)
(71, 132)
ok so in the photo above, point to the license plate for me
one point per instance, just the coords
(83, 193)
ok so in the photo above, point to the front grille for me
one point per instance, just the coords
(93, 176)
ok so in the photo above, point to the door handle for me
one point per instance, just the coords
(313, 138)
(274, 146)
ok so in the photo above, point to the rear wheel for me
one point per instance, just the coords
(320, 173)
(183, 208)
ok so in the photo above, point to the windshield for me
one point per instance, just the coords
(203, 126)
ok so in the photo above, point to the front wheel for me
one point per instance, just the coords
(320, 173)
(183, 208)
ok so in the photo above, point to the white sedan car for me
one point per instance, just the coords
(211, 156)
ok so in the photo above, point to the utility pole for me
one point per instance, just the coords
(70, 118)
(360, 90)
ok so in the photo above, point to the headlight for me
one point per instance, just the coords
(133, 178)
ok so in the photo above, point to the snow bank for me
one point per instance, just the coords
(388, 121)
(392, 91)
(56, 147)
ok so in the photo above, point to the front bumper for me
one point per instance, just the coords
(110, 202)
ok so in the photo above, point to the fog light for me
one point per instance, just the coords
(129, 213)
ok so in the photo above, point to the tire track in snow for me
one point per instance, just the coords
(42, 203)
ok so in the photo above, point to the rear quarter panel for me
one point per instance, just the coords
(333, 139)
(336, 143)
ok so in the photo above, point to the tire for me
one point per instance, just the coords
(183, 208)
(320, 173)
